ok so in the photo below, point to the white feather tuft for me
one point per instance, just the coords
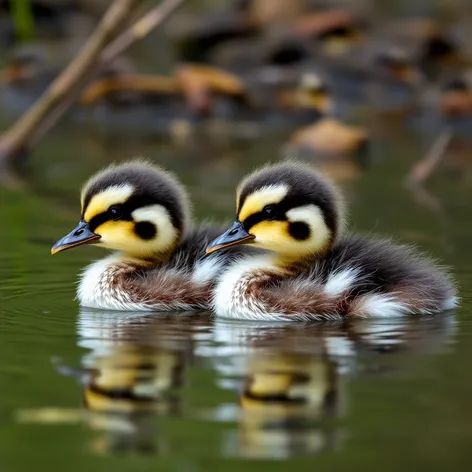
(340, 282)
(382, 306)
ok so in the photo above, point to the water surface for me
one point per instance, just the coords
(85, 390)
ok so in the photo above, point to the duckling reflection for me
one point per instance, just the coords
(294, 392)
(134, 375)
(287, 403)
(134, 378)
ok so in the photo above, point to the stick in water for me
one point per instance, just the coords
(426, 166)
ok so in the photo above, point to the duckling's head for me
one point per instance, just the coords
(288, 208)
(134, 207)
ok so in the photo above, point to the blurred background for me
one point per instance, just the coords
(377, 94)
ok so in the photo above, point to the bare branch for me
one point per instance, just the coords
(99, 50)
(425, 167)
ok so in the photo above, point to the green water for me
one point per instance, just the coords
(371, 395)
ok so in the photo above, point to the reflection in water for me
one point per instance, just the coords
(132, 381)
(135, 374)
(290, 381)
(286, 404)
(293, 396)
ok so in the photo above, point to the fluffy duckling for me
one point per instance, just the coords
(143, 213)
(312, 271)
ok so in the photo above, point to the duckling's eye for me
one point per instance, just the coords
(115, 212)
(269, 212)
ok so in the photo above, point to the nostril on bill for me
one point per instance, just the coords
(78, 232)
(233, 232)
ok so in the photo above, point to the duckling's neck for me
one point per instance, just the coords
(141, 260)
(291, 262)
(144, 259)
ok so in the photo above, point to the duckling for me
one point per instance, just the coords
(142, 212)
(313, 271)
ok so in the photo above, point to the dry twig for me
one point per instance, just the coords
(139, 30)
(425, 167)
(99, 50)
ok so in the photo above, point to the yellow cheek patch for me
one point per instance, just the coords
(100, 202)
(271, 232)
(262, 197)
(116, 232)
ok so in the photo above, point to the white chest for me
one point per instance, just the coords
(230, 298)
(97, 288)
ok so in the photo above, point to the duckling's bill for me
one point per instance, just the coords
(235, 235)
(81, 234)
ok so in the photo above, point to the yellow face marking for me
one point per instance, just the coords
(120, 235)
(262, 197)
(100, 202)
(320, 234)
(271, 233)
(116, 233)
(167, 233)
(275, 235)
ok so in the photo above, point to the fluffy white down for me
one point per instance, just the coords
(451, 303)
(382, 306)
(95, 291)
(339, 282)
(228, 298)
(207, 269)
(96, 288)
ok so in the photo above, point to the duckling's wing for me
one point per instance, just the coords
(380, 278)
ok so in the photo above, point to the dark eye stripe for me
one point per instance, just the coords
(255, 218)
(279, 210)
(105, 216)
(101, 218)
(134, 202)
